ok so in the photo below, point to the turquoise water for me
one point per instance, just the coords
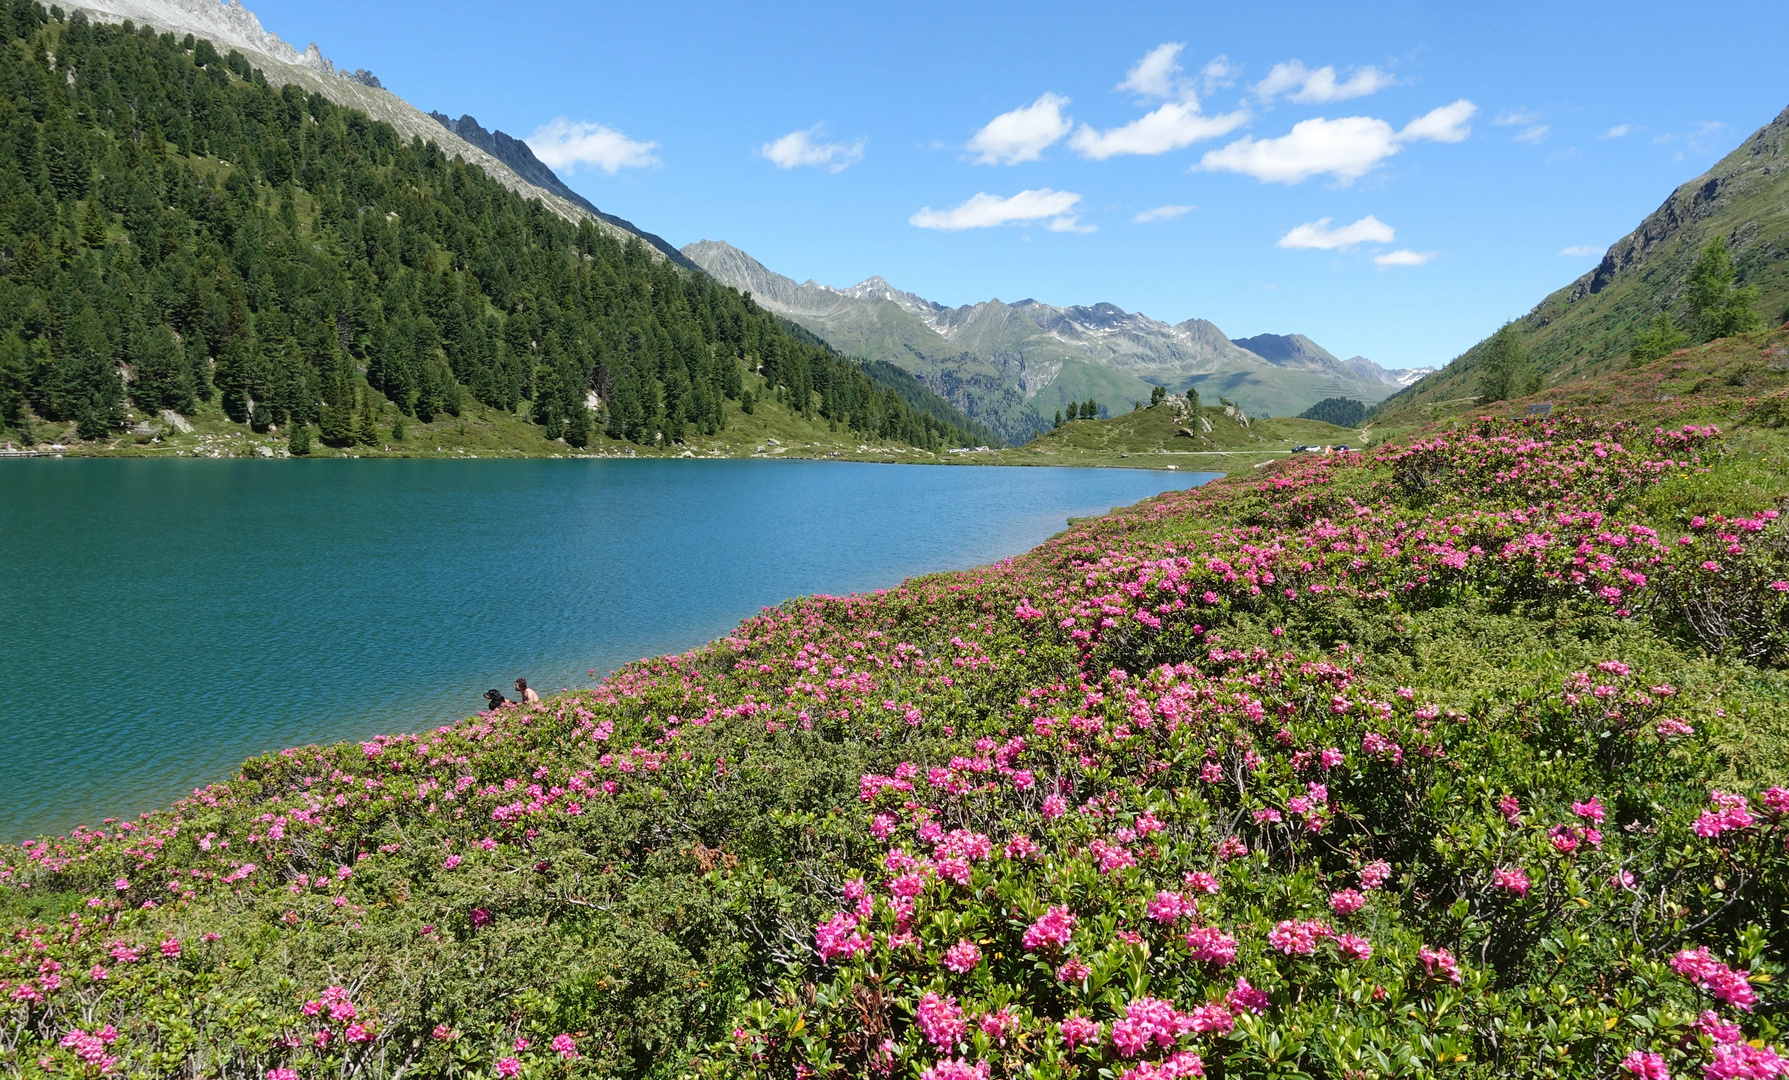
(162, 621)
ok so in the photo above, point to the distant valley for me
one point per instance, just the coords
(1011, 366)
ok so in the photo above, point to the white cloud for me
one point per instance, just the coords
(1022, 134)
(1403, 257)
(1581, 251)
(1157, 74)
(1533, 134)
(1161, 213)
(1318, 235)
(986, 211)
(1218, 73)
(1515, 117)
(1618, 131)
(1173, 126)
(565, 144)
(1347, 148)
(1319, 86)
(799, 148)
(1445, 124)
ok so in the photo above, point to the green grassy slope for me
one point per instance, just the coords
(1158, 435)
(1590, 324)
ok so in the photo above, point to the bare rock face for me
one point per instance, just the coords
(177, 422)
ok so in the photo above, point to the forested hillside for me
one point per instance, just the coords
(173, 228)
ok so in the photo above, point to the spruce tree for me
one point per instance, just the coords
(15, 375)
(1192, 397)
(163, 377)
(298, 442)
(1058, 422)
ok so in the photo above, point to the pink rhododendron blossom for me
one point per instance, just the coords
(1590, 810)
(1346, 901)
(1352, 947)
(1052, 930)
(837, 937)
(940, 1020)
(956, 1069)
(1200, 881)
(1645, 1066)
(1510, 808)
(1245, 998)
(1721, 1031)
(1731, 812)
(1073, 971)
(1170, 906)
(998, 1024)
(962, 957)
(1439, 962)
(565, 1046)
(1724, 983)
(1079, 1030)
(1179, 1066)
(1210, 945)
(1743, 1061)
(1148, 1019)
(1513, 880)
(1374, 875)
(1297, 937)
(508, 1067)
(1211, 1017)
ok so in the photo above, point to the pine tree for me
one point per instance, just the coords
(397, 427)
(1660, 338)
(1157, 395)
(1058, 422)
(1192, 398)
(1718, 308)
(93, 225)
(298, 442)
(15, 376)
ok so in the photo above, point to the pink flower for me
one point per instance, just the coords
(838, 937)
(1054, 807)
(1211, 772)
(1646, 1066)
(1148, 1019)
(1203, 882)
(1331, 758)
(1169, 906)
(1297, 937)
(565, 1047)
(1440, 962)
(358, 1033)
(940, 1020)
(962, 957)
(282, 1074)
(1622, 879)
(121, 884)
(1510, 808)
(1592, 810)
(443, 1032)
(1375, 874)
(1212, 1017)
(1210, 945)
(1346, 902)
(1079, 1030)
(1073, 971)
(1724, 983)
(958, 1069)
(1246, 998)
(1710, 1024)
(1052, 930)
(1743, 1061)
(508, 1067)
(998, 1024)
(452, 861)
(171, 948)
(1352, 947)
(1513, 880)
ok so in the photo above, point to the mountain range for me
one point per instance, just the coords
(1590, 324)
(1010, 366)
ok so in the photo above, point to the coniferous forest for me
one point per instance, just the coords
(175, 229)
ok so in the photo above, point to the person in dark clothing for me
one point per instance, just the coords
(496, 699)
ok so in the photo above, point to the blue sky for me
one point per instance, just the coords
(1393, 180)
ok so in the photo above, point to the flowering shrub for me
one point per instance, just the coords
(1368, 765)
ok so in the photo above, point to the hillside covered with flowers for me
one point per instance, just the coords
(1461, 757)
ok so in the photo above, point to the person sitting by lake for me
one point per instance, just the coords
(495, 698)
(529, 697)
